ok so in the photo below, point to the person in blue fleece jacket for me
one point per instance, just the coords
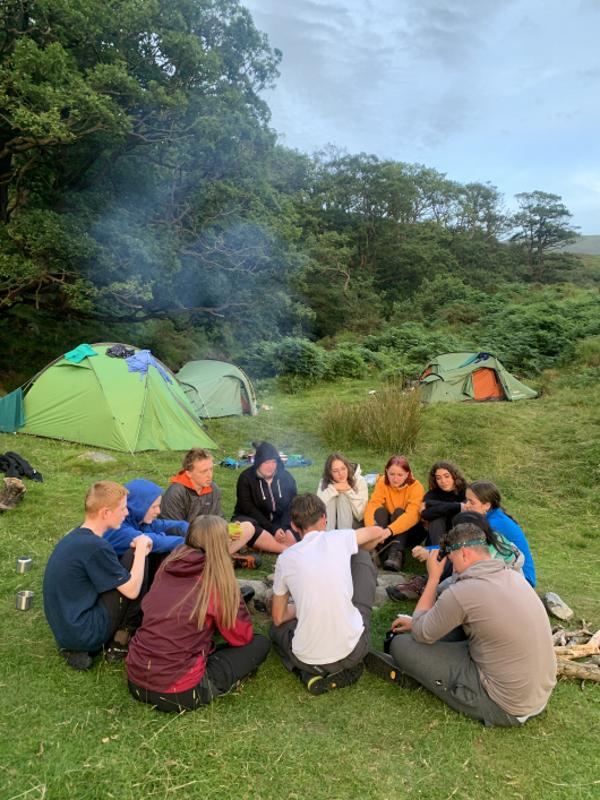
(143, 507)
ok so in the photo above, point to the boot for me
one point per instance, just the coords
(395, 558)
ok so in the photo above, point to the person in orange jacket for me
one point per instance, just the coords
(396, 504)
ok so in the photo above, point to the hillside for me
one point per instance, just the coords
(585, 245)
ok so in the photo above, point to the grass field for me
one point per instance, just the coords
(79, 735)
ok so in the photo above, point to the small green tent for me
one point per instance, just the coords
(100, 402)
(454, 377)
(217, 389)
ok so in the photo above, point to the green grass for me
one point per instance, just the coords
(70, 735)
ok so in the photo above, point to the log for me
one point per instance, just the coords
(577, 650)
(595, 638)
(582, 672)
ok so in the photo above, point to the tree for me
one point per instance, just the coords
(544, 226)
(113, 121)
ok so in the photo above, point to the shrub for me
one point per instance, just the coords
(345, 362)
(388, 421)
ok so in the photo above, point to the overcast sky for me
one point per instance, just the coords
(505, 91)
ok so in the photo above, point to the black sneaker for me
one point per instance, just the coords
(77, 659)
(115, 652)
(383, 666)
(345, 677)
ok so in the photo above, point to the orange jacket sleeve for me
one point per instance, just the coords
(376, 500)
(412, 509)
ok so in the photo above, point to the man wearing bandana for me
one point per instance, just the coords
(484, 646)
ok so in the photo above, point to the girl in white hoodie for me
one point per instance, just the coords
(344, 492)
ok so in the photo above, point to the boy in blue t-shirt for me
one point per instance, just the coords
(91, 597)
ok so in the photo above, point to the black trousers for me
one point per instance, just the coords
(224, 668)
(123, 613)
(403, 541)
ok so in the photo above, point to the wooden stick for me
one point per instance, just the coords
(577, 650)
(584, 672)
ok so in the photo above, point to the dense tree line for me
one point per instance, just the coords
(140, 182)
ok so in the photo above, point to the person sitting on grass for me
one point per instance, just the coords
(396, 505)
(484, 646)
(484, 498)
(323, 634)
(143, 508)
(344, 492)
(173, 662)
(264, 493)
(193, 493)
(91, 597)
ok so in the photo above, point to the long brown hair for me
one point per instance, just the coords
(209, 534)
(460, 483)
(328, 477)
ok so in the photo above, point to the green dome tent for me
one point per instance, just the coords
(480, 377)
(217, 389)
(99, 402)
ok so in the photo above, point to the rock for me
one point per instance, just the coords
(392, 578)
(268, 579)
(97, 458)
(11, 493)
(556, 606)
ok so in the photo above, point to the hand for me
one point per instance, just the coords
(463, 507)
(343, 486)
(280, 535)
(435, 567)
(142, 541)
(386, 533)
(402, 624)
(423, 507)
(420, 553)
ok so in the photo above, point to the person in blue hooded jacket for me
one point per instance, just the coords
(143, 507)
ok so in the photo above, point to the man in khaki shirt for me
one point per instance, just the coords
(484, 646)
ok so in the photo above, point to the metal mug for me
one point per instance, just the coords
(24, 600)
(24, 564)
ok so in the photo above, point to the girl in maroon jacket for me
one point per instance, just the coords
(173, 662)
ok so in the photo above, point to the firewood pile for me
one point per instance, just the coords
(570, 646)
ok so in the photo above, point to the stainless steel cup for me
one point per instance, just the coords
(24, 600)
(24, 564)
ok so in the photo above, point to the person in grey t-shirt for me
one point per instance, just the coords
(484, 646)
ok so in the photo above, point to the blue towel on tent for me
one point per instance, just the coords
(142, 360)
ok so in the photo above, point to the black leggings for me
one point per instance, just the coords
(403, 541)
(224, 668)
(123, 613)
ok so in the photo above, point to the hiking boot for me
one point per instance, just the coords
(115, 652)
(246, 562)
(394, 559)
(410, 590)
(247, 593)
(77, 659)
(321, 684)
(383, 666)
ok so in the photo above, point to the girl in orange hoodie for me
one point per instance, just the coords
(396, 504)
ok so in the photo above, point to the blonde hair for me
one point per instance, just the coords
(104, 494)
(209, 534)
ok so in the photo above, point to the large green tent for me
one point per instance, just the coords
(100, 402)
(454, 377)
(217, 389)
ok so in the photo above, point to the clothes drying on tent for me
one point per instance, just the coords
(99, 402)
(480, 377)
(217, 389)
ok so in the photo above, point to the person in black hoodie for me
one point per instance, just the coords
(445, 498)
(264, 495)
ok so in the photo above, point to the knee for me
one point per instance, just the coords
(262, 645)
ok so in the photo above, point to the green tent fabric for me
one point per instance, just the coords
(99, 402)
(480, 377)
(217, 389)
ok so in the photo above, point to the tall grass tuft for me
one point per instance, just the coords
(388, 421)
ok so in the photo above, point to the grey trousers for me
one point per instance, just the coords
(364, 581)
(447, 670)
